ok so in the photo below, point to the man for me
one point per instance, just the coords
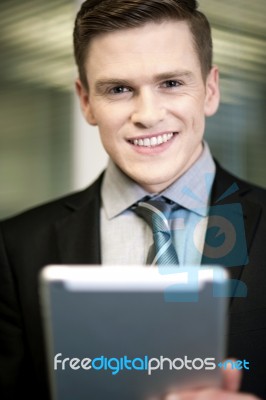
(147, 81)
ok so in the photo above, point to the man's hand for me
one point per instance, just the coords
(230, 387)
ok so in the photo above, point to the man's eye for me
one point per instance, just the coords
(171, 84)
(119, 90)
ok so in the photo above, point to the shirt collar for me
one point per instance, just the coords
(191, 190)
(119, 192)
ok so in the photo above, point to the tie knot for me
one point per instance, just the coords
(156, 212)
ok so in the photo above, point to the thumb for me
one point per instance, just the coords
(231, 376)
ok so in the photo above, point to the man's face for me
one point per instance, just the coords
(149, 100)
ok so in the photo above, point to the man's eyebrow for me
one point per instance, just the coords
(178, 74)
(100, 84)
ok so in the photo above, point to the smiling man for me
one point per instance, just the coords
(146, 79)
(149, 98)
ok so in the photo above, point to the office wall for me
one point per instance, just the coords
(237, 132)
(36, 74)
(47, 149)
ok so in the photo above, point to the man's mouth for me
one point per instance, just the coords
(153, 140)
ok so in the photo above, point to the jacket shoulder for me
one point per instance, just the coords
(225, 180)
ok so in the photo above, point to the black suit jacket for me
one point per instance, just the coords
(68, 231)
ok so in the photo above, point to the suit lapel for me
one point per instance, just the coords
(78, 234)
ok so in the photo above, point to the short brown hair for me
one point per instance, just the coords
(96, 17)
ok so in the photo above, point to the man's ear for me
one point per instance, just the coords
(84, 101)
(212, 98)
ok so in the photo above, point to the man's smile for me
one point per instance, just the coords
(152, 141)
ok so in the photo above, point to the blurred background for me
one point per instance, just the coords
(47, 149)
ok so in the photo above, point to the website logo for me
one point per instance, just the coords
(146, 364)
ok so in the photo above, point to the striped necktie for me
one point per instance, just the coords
(156, 212)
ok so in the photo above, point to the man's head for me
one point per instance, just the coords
(97, 17)
(145, 88)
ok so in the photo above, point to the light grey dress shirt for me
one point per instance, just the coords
(126, 238)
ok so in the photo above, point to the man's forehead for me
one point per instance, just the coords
(143, 53)
(151, 68)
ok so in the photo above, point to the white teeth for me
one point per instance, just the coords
(146, 142)
(153, 141)
(159, 140)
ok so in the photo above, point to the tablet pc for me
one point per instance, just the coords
(133, 332)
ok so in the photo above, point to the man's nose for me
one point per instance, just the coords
(148, 110)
